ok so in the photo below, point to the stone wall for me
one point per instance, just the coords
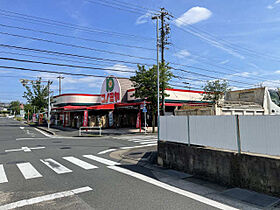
(258, 173)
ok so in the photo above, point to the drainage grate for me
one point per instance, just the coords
(251, 197)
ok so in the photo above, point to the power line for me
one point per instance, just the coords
(68, 25)
(64, 65)
(75, 46)
(75, 37)
(59, 59)
(55, 72)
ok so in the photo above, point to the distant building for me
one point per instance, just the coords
(115, 106)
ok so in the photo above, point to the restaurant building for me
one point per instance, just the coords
(115, 106)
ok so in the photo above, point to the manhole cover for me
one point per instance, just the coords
(65, 148)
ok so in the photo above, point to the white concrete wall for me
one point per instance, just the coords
(258, 134)
(174, 129)
(214, 131)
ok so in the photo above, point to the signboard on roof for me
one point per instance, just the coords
(110, 91)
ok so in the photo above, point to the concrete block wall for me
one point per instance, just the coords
(258, 173)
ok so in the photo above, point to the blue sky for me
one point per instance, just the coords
(239, 39)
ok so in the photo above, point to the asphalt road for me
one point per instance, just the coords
(39, 172)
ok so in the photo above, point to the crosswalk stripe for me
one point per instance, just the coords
(55, 166)
(80, 163)
(3, 177)
(28, 171)
(148, 142)
(101, 160)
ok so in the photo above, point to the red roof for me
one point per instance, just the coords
(103, 106)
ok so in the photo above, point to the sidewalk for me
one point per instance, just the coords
(73, 132)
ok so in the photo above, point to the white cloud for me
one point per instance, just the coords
(182, 54)
(144, 18)
(123, 70)
(224, 62)
(193, 15)
(269, 7)
(277, 72)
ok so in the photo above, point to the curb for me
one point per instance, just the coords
(46, 130)
(43, 129)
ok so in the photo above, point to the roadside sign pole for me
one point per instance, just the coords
(145, 114)
(49, 105)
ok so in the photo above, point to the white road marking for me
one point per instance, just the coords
(106, 151)
(43, 198)
(13, 150)
(21, 128)
(3, 177)
(101, 160)
(26, 149)
(148, 142)
(42, 132)
(80, 163)
(144, 140)
(22, 139)
(172, 188)
(139, 146)
(55, 166)
(28, 171)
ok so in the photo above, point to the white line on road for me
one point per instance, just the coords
(26, 149)
(13, 150)
(172, 188)
(3, 177)
(106, 151)
(80, 163)
(22, 139)
(42, 132)
(21, 128)
(139, 146)
(144, 140)
(28, 171)
(43, 198)
(101, 160)
(148, 142)
(55, 166)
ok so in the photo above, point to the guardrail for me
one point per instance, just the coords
(89, 129)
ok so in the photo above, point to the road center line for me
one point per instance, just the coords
(43, 198)
(172, 188)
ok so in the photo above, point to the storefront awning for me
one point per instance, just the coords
(69, 108)
(102, 107)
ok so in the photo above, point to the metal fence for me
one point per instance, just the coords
(256, 134)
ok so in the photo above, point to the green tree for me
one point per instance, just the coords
(145, 84)
(36, 94)
(15, 107)
(215, 90)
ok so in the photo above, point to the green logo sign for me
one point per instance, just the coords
(110, 84)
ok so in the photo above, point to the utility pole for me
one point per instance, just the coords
(49, 105)
(59, 81)
(164, 31)
(157, 43)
